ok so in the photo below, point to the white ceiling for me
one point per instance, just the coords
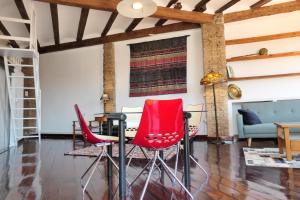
(69, 18)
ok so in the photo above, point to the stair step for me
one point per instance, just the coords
(25, 98)
(24, 109)
(25, 88)
(27, 77)
(19, 65)
(28, 136)
(26, 118)
(27, 128)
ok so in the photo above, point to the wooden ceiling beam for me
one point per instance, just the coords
(109, 23)
(262, 11)
(161, 13)
(162, 21)
(133, 24)
(201, 6)
(13, 43)
(82, 23)
(54, 16)
(182, 15)
(227, 5)
(120, 37)
(22, 10)
(260, 4)
(263, 38)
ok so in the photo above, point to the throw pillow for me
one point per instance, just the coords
(249, 117)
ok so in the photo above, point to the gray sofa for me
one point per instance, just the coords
(268, 112)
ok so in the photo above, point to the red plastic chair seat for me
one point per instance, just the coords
(161, 125)
(87, 133)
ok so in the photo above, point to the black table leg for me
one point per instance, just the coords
(109, 163)
(122, 167)
(162, 175)
(186, 151)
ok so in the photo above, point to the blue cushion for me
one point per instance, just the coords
(266, 128)
(249, 117)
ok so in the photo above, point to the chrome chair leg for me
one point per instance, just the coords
(149, 176)
(130, 151)
(89, 178)
(176, 162)
(140, 173)
(147, 156)
(193, 159)
(114, 163)
(178, 181)
(88, 169)
(132, 154)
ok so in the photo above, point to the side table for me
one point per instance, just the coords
(291, 142)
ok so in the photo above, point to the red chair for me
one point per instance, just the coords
(161, 127)
(101, 141)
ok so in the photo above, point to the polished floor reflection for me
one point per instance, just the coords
(30, 172)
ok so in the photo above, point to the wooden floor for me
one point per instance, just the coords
(30, 172)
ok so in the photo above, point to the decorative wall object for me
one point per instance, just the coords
(158, 67)
(230, 72)
(234, 92)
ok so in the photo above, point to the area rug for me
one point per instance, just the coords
(94, 151)
(269, 157)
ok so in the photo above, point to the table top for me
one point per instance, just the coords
(287, 124)
(126, 113)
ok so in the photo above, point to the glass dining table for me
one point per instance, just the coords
(121, 118)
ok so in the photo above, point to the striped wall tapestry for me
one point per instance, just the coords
(158, 67)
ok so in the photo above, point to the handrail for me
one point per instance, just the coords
(17, 20)
(24, 39)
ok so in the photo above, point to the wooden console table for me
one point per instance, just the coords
(290, 142)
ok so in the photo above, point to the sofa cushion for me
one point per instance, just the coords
(249, 117)
(279, 111)
(266, 128)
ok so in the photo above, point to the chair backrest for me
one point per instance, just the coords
(133, 115)
(195, 120)
(86, 132)
(162, 124)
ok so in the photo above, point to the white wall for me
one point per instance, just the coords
(265, 89)
(69, 77)
(194, 93)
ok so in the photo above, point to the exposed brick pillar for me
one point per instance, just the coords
(215, 59)
(109, 76)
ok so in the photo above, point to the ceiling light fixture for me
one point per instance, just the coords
(137, 5)
(136, 8)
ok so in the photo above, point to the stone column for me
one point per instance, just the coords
(109, 76)
(215, 59)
